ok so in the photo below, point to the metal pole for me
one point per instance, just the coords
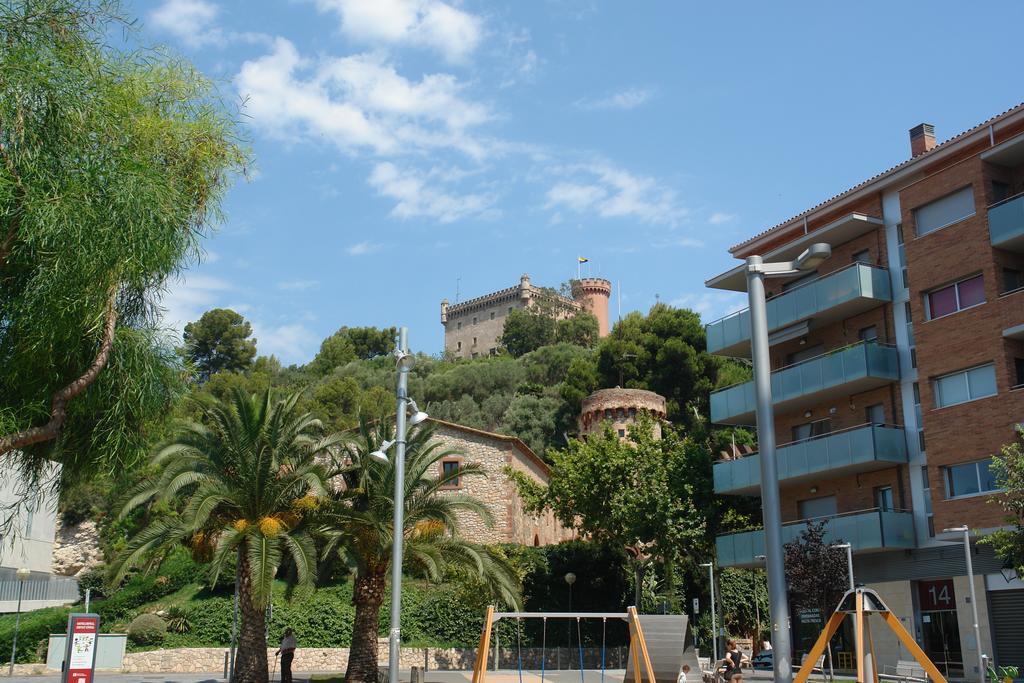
(234, 615)
(88, 595)
(849, 563)
(778, 601)
(974, 603)
(714, 611)
(17, 625)
(398, 524)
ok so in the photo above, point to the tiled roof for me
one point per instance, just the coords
(914, 159)
(514, 440)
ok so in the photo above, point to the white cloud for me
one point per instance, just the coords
(192, 22)
(358, 102)
(188, 20)
(711, 305)
(432, 24)
(718, 218)
(298, 285)
(363, 248)
(684, 242)
(416, 198)
(611, 192)
(290, 342)
(188, 297)
(630, 98)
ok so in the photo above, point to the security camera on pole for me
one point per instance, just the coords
(778, 602)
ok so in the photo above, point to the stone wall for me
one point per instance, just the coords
(76, 548)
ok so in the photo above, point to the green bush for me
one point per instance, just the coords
(174, 573)
(34, 631)
(179, 618)
(147, 629)
(93, 579)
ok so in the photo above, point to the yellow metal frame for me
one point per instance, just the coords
(862, 638)
(637, 647)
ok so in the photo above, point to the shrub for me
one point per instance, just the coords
(147, 629)
(179, 619)
(93, 579)
(35, 628)
(174, 573)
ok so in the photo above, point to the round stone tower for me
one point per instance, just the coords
(594, 293)
(620, 407)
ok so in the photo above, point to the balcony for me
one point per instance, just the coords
(1006, 224)
(857, 288)
(849, 370)
(865, 530)
(859, 449)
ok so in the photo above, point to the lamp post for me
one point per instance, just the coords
(778, 603)
(849, 560)
(22, 575)
(404, 361)
(714, 610)
(974, 602)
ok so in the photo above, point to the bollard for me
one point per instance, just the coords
(225, 664)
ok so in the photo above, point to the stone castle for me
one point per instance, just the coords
(473, 328)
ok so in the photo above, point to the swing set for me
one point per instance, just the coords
(637, 645)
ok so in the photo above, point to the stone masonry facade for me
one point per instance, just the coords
(496, 453)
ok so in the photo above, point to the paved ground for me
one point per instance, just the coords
(501, 676)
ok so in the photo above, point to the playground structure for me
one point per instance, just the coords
(656, 660)
(860, 603)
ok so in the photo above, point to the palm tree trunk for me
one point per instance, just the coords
(251, 661)
(367, 596)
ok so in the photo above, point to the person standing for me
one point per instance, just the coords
(287, 652)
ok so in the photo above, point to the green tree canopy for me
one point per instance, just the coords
(1008, 466)
(526, 330)
(112, 167)
(219, 340)
(352, 343)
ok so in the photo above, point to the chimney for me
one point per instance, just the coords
(922, 139)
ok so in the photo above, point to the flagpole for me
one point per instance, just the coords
(579, 264)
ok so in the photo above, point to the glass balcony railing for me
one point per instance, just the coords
(865, 530)
(849, 370)
(1006, 224)
(859, 449)
(854, 289)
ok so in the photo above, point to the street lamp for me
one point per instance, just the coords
(714, 610)
(22, 575)
(778, 603)
(849, 560)
(974, 602)
(381, 453)
(570, 579)
(404, 362)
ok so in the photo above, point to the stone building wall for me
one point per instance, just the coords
(619, 408)
(495, 452)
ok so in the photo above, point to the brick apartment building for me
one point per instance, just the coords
(898, 369)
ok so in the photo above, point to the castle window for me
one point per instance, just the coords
(474, 341)
(536, 541)
(459, 327)
(474, 320)
(607, 413)
(492, 315)
(459, 346)
(622, 433)
(620, 413)
(509, 309)
(450, 468)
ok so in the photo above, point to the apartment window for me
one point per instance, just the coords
(917, 413)
(876, 414)
(955, 297)
(963, 386)
(805, 354)
(30, 513)
(884, 499)
(970, 478)
(902, 253)
(810, 430)
(793, 284)
(862, 256)
(946, 211)
(1013, 280)
(927, 490)
(868, 334)
(450, 468)
(811, 508)
(1018, 366)
(1000, 191)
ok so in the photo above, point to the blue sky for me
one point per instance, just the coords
(410, 149)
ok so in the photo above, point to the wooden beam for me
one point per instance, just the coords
(480, 666)
(908, 642)
(833, 624)
(858, 635)
(643, 644)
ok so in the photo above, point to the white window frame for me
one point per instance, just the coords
(964, 372)
(956, 290)
(974, 211)
(977, 473)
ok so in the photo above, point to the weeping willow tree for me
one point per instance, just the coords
(113, 165)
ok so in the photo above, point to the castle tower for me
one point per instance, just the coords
(593, 293)
(619, 407)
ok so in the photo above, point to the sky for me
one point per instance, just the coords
(408, 151)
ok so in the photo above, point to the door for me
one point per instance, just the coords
(1006, 610)
(940, 631)
(883, 498)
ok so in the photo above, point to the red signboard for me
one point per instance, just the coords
(936, 595)
(80, 650)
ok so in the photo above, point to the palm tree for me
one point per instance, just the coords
(249, 483)
(363, 535)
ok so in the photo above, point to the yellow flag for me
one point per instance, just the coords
(582, 259)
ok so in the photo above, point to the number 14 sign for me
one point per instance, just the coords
(936, 595)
